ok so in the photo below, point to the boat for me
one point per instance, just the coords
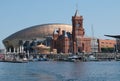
(43, 58)
(19, 61)
(16, 61)
(24, 60)
(91, 58)
(34, 60)
(74, 58)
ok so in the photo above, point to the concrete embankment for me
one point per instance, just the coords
(98, 56)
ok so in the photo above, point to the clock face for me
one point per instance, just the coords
(77, 25)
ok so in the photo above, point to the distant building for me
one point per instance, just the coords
(117, 46)
(39, 32)
(94, 45)
(42, 49)
(62, 41)
(25, 38)
(74, 42)
(61, 38)
(106, 45)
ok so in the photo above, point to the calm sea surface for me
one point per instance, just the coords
(60, 71)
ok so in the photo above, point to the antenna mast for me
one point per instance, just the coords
(93, 39)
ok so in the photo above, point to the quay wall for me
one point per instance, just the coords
(102, 56)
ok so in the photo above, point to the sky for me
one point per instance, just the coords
(102, 15)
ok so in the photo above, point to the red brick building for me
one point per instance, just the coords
(106, 44)
(66, 42)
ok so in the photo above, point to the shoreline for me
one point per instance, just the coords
(63, 57)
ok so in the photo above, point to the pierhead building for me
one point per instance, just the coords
(74, 42)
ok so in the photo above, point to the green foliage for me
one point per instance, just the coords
(107, 50)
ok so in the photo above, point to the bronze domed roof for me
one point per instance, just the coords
(38, 31)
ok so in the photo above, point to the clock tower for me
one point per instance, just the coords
(77, 32)
(77, 26)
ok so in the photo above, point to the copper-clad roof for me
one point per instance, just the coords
(38, 31)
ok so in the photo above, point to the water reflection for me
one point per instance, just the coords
(60, 71)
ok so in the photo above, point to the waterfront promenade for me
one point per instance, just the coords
(63, 57)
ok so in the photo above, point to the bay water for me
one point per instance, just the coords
(60, 71)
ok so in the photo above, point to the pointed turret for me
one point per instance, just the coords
(77, 13)
(55, 31)
(55, 34)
